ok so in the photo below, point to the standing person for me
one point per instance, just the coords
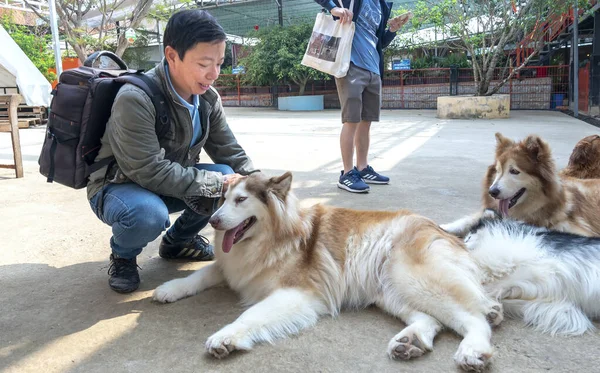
(360, 90)
(154, 177)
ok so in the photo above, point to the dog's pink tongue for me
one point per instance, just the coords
(229, 237)
(503, 206)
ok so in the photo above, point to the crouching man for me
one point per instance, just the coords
(154, 176)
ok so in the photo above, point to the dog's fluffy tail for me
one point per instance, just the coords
(554, 318)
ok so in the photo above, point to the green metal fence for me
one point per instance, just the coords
(240, 17)
(243, 17)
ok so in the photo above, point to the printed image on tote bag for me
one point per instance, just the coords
(323, 46)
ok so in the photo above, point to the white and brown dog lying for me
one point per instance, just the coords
(549, 279)
(294, 265)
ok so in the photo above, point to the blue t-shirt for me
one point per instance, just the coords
(364, 45)
(194, 112)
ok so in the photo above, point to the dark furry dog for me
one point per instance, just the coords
(584, 162)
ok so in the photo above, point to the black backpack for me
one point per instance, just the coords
(79, 111)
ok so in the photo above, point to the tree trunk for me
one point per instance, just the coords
(72, 23)
(139, 13)
(489, 74)
(483, 86)
(80, 51)
(302, 88)
(122, 45)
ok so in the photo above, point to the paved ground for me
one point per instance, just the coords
(57, 313)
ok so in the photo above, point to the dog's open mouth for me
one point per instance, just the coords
(234, 235)
(505, 204)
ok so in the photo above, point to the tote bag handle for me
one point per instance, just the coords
(342, 4)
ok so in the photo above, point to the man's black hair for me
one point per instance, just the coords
(188, 27)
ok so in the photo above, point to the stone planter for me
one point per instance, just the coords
(471, 107)
(300, 103)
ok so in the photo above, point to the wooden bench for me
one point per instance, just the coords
(11, 102)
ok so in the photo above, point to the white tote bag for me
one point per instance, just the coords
(330, 45)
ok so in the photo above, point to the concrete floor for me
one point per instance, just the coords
(57, 313)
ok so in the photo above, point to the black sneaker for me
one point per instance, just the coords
(198, 249)
(124, 277)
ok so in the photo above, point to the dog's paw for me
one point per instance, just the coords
(171, 291)
(406, 346)
(472, 359)
(220, 347)
(225, 341)
(495, 315)
(491, 214)
(513, 292)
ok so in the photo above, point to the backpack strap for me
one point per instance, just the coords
(158, 99)
(150, 88)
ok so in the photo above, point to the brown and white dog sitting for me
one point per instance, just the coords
(292, 265)
(523, 184)
(584, 162)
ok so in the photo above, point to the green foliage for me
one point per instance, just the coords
(277, 56)
(163, 10)
(558, 58)
(136, 56)
(484, 29)
(455, 59)
(452, 59)
(228, 61)
(35, 43)
(228, 79)
(227, 70)
(422, 63)
(91, 42)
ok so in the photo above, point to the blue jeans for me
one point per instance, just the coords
(137, 216)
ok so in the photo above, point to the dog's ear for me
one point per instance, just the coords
(281, 185)
(579, 157)
(537, 148)
(502, 143)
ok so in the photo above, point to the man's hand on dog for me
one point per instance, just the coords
(230, 180)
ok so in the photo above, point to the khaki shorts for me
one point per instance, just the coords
(360, 95)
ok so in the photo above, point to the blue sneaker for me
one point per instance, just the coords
(352, 182)
(370, 176)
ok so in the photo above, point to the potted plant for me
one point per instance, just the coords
(275, 60)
